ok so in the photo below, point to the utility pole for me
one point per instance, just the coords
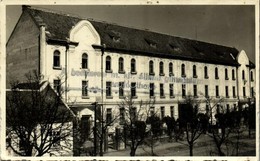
(95, 128)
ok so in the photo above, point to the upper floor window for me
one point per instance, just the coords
(233, 74)
(252, 76)
(121, 89)
(206, 91)
(195, 91)
(161, 91)
(120, 65)
(133, 90)
(183, 70)
(108, 89)
(227, 95)
(194, 71)
(84, 88)
(171, 90)
(108, 64)
(243, 74)
(226, 74)
(151, 71)
(161, 68)
(216, 73)
(57, 85)
(162, 112)
(170, 69)
(217, 91)
(244, 91)
(133, 66)
(56, 58)
(84, 63)
(183, 90)
(206, 73)
(151, 89)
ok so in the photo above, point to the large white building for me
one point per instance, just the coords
(83, 56)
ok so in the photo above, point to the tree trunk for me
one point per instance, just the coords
(220, 151)
(191, 149)
(132, 152)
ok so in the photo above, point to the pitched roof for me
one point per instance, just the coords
(136, 41)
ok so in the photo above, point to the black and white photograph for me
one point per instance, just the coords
(122, 80)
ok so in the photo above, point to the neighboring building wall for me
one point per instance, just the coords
(22, 50)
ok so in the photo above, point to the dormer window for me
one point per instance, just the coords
(175, 48)
(114, 35)
(151, 43)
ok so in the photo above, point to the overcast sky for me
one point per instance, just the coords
(231, 25)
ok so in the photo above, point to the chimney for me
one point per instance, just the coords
(24, 7)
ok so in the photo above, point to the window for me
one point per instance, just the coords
(109, 115)
(226, 74)
(227, 95)
(252, 76)
(133, 90)
(217, 91)
(162, 112)
(84, 63)
(216, 73)
(55, 138)
(183, 70)
(243, 74)
(133, 113)
(121, 65)
(108, 64)
(161, 69)
(206, 72)
(121, 89)
(108, 89)
(133, 66)
(57, 86)
(206, 91)
(170, 69)
(244, 91)
(195, 90)
(152, 112)
(194, 71)
(161, 91)
(183, 90)
(171, 90)
(252, 92)
(172, 111)
(234, 91)
(56, 59)
(84, 88)
(151, 71)
(233, 74)
(228, 108)
(218, 109)
(151, 89)
(122, 115)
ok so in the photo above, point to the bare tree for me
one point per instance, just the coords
(135, 129)
(193, 123)
(38, 122)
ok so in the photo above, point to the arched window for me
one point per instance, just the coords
(243, 74)
(233, 74)
(56, 58)
(170, 69)
(183, 70)
(216, 73)
(194, 71)
(226, 74)
(252, 76)
(161, 68)
(133, 66)
(121, 65)
(206, 72)
(151, 67)
(108, 63)
(84, 63)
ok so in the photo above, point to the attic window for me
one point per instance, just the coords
(151, 43)
(175, 48)
(198, 50)
(114, 35)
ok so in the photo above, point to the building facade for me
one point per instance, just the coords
(83, 56)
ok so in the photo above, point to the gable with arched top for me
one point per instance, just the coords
(84, 32)
(242, 58)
